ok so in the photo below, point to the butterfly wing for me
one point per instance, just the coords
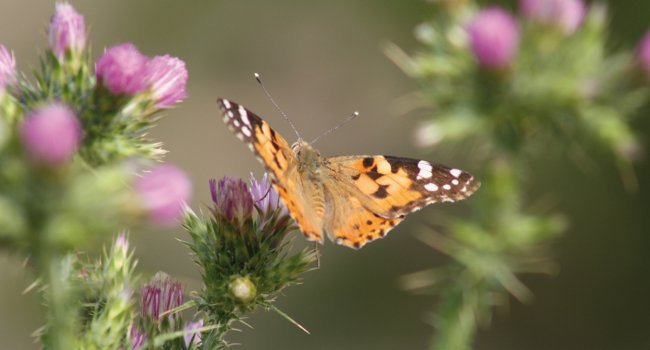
(378, 191)
(276, 155)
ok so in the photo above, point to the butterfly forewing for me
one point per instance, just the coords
(276, 155)
(392, 186)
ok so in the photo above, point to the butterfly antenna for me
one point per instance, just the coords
(354, 115)
(259, 80)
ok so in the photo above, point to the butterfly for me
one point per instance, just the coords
(351, 199)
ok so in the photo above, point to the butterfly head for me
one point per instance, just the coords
(307, 155)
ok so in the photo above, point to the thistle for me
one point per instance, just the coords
(63, 182)
(527, 81)
(241, 250)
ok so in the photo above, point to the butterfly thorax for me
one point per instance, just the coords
(309, 161)
(309, 169)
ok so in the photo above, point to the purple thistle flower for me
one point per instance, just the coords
(494, 37)
(51, 134)
(160, 295)
(123, 69)
(121, 243)
(167, 77)
(67, 30)
(193, 338)
(7, 68)
(164, 191)
(643, 53)
(265, 196)
(565, 14)
(232, 199)
(136, 337)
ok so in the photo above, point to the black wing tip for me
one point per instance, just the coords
(227, 104)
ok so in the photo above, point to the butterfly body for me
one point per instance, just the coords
(351, 199)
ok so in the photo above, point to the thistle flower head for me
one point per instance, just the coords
(494, 37)
(7, 67)
(123, 69)
(565, 14)
(265, 196)
(136, 337)
(167, 78)
(643, 53)
(164, 190)
(67, 30)
(232, 199)
(193, 338)
(122, 243)
(51, 134)
(160, 295)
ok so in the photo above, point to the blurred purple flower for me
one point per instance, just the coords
(160, 295)
(265, 196)
(643, 53)
(7, 67)
(232, 199)
(167, 77)
(123, 69)
(122, 243)
(51, 134)
(494, 37)
(164, 190)
(67, 30)
(566, 14)
(197, 336)
(136, 337)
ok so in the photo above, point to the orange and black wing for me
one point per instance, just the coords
(276, 155)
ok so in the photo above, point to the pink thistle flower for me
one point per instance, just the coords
(167, 78)
(193, 338)
(232, 199)
(643, 53)
(136, 337)
(67, 30)
(164, 191)
(123, 69)
(122, 243)
(51, 134)
(160, 295)
(494, 37)
(7, 67)
(265, 196)
(565, 14)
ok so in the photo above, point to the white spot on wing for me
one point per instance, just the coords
(446, 187)
(431, 187)
(454, 182)
(455, 172)
(425, 170)
(236, 122)
(226, 103)
(246, 131)
(244, 116)
(230, 114)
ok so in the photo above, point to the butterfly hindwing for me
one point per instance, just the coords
(348, 222)
(276, 155)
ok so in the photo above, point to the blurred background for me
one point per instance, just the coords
(321, 61)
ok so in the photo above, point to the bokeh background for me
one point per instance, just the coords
(321, 61)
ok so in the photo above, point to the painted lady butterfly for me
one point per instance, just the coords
(354, 199)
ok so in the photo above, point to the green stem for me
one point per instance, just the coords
(61, 307)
